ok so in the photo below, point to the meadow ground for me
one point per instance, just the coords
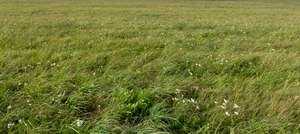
(149, 66)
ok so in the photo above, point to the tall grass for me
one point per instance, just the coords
(149, 66)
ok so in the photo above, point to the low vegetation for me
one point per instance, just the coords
(149, 66)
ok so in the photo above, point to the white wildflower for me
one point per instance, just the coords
(53, 64)
(79, 123)
(62, 94)
(197, 107)
(9, 125)
(223, 107)
(225, 101)
(192, 100)
(20, 121)
(9, 107)
(176, 99)
(236, 113)
(178, 91)
(216, 102)
(183, 101)
(236, 106)
(227, 113)
(28, 101)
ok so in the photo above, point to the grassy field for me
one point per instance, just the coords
(149, 66)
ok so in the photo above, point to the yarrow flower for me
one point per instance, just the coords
(236, 113)
(227, 113)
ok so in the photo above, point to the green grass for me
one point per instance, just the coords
(149, 66)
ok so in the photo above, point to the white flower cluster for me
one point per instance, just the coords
(222, 59)
(199, 65)
(184, 100)
(28, 101)
(224, 106)
(9, 125)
